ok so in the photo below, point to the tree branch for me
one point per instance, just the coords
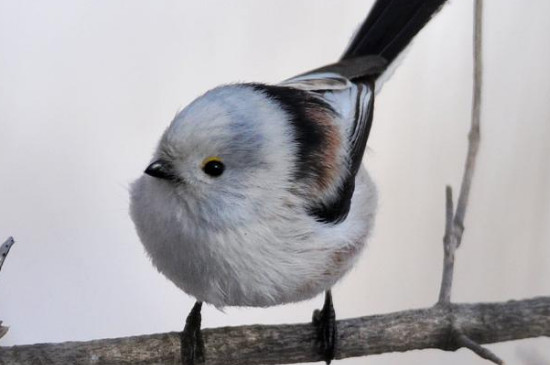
(3, 330)
(449, 248)
(5, 249)
(295, 343)
(474, 135)
(467, 342)
(454, 224)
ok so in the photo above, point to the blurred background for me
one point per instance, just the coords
(87, 87)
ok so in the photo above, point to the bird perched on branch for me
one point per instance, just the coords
(256, 195)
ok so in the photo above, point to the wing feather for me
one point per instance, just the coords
(335, 208)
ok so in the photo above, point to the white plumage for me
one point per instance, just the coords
(246, 238)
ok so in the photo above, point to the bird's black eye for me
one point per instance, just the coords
(213, 166)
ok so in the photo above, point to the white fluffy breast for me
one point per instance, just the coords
(277, 256)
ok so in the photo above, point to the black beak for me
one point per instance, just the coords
(161, 170)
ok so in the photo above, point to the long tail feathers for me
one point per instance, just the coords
(386, 32)
(390, 26)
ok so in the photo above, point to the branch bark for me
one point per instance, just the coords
(5, 249)
(454, 222)
(295, 343)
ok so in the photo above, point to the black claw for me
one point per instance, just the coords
(325, 322)
(192, 345)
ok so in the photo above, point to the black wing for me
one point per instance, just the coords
(337, 207)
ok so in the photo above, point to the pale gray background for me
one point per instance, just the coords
(86, 88)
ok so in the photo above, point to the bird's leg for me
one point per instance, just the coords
(192, 346)
(325, 322)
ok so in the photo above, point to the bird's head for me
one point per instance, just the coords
(229, 149)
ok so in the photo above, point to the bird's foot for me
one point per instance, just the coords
(192, 345)
(325, 322)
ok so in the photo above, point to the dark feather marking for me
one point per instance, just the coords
(310, 136)
(361, 131)
(390, 26)
(312, 140)
(336, 210)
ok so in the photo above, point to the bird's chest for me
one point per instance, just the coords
(260, 263)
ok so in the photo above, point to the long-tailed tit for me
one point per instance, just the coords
(256, 195)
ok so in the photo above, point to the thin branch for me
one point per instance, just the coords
(5, 249)
(449, 251)
(474, 135)
(454, 225)
(296, 343)
(3, 330)
(467, 342)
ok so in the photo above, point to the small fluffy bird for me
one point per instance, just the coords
(256, 195)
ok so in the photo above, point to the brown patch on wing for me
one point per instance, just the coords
(330, 154)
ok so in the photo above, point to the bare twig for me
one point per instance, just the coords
(467, 342)
(5, 249)
(474, 135)
(454, 226)
(296, 343)
(3, 330)
(454, 223)
(449, 248)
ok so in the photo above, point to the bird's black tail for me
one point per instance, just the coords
(386, 32)
(390, 26)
